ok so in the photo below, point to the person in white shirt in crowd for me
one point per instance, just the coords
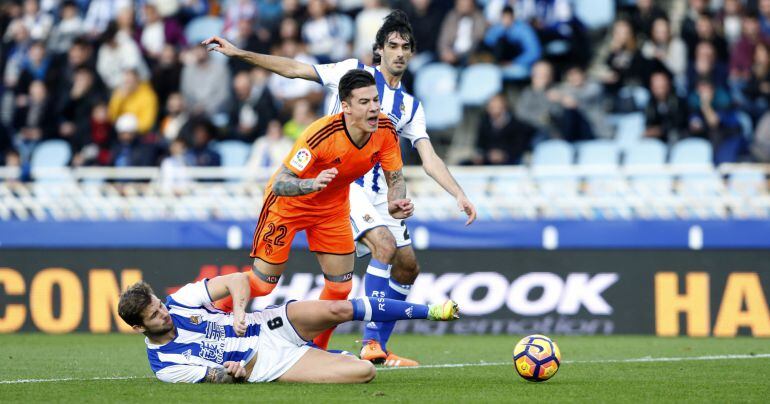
(117, 54)
(67, 29)
(205, 82)
(268, 152)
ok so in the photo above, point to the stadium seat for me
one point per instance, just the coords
(479, 82)
(595, 14)
(691, 151)
(51, 154)
(747, 182)
(435, 80)
(598, 153)
(552, 152)
(234, 153)
(630, 129)
(645, 152)
(201, 28)
(442, 112)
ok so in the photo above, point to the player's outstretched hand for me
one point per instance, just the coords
(324, 178)
(239, 323)
(401, 208)
(220, 45)
(466, 206)
(235, 370)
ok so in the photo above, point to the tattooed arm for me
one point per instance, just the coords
(233, 372)
(398, 206)
(287, 183)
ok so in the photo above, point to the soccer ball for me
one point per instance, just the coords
(536, 358)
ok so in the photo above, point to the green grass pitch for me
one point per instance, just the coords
(594, 370)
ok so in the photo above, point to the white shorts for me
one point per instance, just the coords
(366, 214)
(279, 346)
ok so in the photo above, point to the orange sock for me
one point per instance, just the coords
(257, 287)
(332, 291)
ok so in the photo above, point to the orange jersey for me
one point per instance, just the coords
(326, 144)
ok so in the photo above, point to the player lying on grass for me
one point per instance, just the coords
(189, 341)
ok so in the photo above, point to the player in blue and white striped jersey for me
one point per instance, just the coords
(189, 341)
(376, 232)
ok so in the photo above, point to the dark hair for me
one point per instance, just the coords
(354, 79)
(397, 21)
(133, 302)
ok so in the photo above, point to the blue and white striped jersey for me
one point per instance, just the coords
(205, 338)
(403, 109)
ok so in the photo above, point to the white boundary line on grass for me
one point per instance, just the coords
(647, 359)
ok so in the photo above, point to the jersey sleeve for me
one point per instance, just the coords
(301, 157)
(390, 154)
(415, 130)
(330, 74)
(192, 295)
(182, 374)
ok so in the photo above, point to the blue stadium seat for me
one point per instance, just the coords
(234, 153)
(595, 14)
(435, 79)
(598, 152)
(691, 151)
(51, 154)
(552, 152)
(630, 129)
(479, 82)
(442, 112)
(747, 182)
(645, 152)
(201, 28)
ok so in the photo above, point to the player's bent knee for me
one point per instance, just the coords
(341, 310)
(367, 371)
(383, 245)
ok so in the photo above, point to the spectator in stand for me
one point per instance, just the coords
(268, 152)
(707, 67)
(760, 147)
(425, 16)
(67, 29)
(190, 9)
(37, 22)
(730, 18)
(289, 91)
(302, 116)
(167, 74)
(157, 32)
(15, 49)
(79, 55)
(205, 83)
(742, 56)
(100, 14)
(137, 98)
(97, 148)
(461, 33)
(368, 21)
(234, 12)
(756, 92)
(687, 30)
(327, 34)
(502, 139)
(173, 168)
(711, 118)
(175, 118)
(253, 107)
(665, 51)
(583, 116)
(75, 108)
(764, 16)
(707, 31)
(38, 65)
(534, 106)
(559, 31)
(514, 44)
(35, 111)
(117, 54)
(248, 39)
(127, 24)
(625, 63)
(644, 15)
(203, 155)
(130, 150)
(11, 158)
(25, 142)
(666, 114)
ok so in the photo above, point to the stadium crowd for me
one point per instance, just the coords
(126, 83)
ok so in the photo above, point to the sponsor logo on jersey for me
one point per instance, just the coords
(337, 161)
(301, 159)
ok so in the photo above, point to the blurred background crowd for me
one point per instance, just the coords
(126, 83)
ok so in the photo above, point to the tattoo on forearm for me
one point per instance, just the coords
(396, 184)
(288, 184)
(218, 375)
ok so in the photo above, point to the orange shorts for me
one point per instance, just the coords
(326, 233)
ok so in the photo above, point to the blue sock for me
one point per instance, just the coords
(375, 285)
(396, 291)
(382, 309)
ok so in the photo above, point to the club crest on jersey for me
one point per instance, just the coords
(402, 108)
(195, 320)
(368, 218)
(375, 157)
(301, 159)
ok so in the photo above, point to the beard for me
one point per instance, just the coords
(159, 331)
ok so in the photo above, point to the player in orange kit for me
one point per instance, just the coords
(310, 191)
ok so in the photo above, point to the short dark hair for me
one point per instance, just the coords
(354, 79)
(133, 302)
(397, 21)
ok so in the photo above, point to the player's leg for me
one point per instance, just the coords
(338, 282)
(270, 250)
(317, 366)
(402, 276)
